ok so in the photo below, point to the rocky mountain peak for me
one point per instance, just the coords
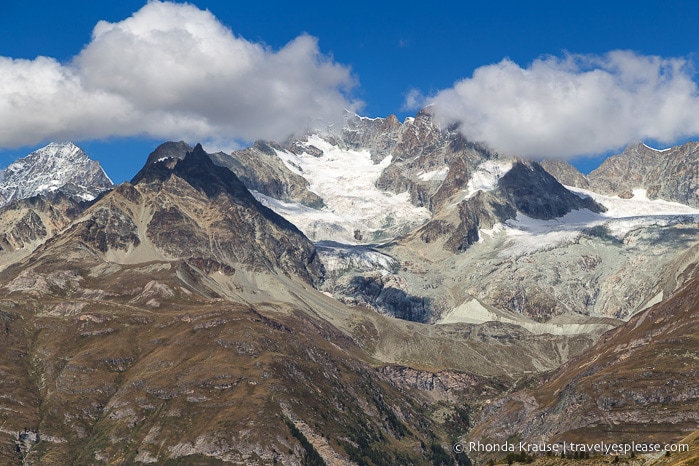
(169, 150)
(670, 174)
(565, 173)
(537, 194)
(199, 170)
(196, 168)
(204, 214)
(57, 167)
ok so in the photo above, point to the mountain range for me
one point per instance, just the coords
(370, 294)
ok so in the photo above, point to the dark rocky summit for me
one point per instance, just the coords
(537, 194)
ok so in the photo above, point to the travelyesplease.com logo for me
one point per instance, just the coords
(564, 448)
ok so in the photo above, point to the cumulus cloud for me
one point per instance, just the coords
(576, 105)
(172, 71)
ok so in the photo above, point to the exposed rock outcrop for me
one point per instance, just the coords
(670, 174)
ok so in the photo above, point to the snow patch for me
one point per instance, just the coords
(486, 176)
(638, 205)
(470, 312)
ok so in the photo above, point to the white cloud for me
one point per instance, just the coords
(413, 100)
(172, 71)
(574, 106)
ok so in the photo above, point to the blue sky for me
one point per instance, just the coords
(373, 55)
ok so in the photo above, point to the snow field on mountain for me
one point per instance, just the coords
(638, 205)
(486, 176)
(345, 180)
(528, 235)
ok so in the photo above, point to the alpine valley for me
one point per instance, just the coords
(379, 292)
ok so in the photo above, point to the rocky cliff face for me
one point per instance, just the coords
(537, 194)
(25, 224)
(429, 163)
(57, 167)
(671, 174)
(260, 169)
(565, 173)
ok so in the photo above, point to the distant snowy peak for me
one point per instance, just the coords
(57, 167)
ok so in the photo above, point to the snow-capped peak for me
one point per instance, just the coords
(55, 167)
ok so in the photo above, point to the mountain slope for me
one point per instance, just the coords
(120, 346)
(565, 173)
(27, 223)
(261, 170)
(524, 188)
(636, 384)
(57, 167)
(368, 181)
(102, 374)
(188, 209)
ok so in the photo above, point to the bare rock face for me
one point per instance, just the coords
(482, 211)
(444, 385)
(378, 135)
(565, 173)
(537, 194)
(671, 174)
(57, 167)
(385, 296)
(27, 223)
(169, 150)
(430, 163)
(260, 169)
(109, 228)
